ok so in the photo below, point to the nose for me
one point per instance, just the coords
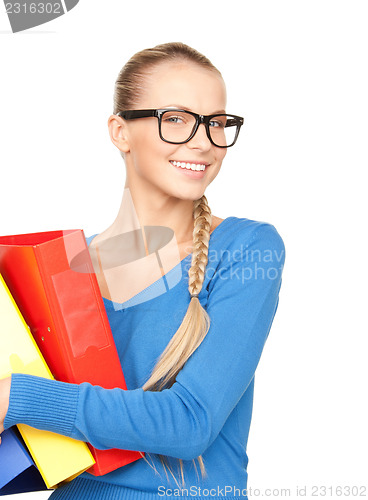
(200, 139)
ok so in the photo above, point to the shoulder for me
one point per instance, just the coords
(246, 243)
(251, 232)
(247, 252)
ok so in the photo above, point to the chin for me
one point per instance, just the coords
(193, 196)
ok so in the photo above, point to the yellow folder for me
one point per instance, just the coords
(57, 457)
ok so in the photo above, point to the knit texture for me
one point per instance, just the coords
(208, 409)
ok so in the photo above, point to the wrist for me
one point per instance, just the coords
(42, 403)
(4, 400)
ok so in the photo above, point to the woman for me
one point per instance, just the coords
(189, 352)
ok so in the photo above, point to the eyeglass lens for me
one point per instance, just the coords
(177, 126)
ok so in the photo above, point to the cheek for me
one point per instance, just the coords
(220, 155)
(223, 153)
(148, 152)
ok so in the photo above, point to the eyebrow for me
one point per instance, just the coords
(178, 106)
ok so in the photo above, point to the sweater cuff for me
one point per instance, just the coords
(42, 403)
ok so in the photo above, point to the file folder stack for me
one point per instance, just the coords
(51, 278)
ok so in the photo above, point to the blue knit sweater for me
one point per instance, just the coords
(208, 409)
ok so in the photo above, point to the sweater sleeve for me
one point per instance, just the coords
(183, 420)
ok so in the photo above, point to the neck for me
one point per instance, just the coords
(142, 210)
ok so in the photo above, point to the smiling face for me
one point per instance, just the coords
(155, 164)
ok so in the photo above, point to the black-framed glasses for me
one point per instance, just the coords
(178, 126)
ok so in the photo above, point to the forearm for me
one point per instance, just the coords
(157, 422)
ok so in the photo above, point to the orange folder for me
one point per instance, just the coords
(51, 277)
(58, 458)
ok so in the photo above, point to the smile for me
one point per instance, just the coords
(189, 166)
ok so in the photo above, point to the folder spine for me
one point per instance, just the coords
(47, 339)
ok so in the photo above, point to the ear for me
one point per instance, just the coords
(118, 131)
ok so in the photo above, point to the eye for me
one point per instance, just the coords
(217, 122)
(174, 119)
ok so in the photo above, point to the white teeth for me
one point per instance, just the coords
(189, 166)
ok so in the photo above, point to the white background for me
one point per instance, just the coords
(297, 71)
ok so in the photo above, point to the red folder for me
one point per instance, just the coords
(52, 280)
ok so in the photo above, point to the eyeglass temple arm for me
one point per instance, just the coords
(137, 113)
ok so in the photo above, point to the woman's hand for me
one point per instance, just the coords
(4, 400)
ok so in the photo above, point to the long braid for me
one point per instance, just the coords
(196, 321)
(201, 238)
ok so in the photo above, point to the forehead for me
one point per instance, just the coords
(183, 84)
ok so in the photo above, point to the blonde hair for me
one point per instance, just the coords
(129, 86)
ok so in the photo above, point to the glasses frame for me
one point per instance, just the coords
(133, 114)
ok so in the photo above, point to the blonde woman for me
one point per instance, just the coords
(190, 299)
